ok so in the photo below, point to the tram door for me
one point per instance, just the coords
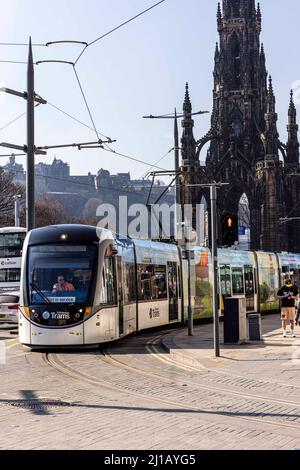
(120, 295)
(250, 288)
(173, 291)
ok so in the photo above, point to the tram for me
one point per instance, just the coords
(111, 288)
(83, 286)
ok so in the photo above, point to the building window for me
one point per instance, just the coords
(10, 275)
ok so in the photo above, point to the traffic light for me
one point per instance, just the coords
(230, 230)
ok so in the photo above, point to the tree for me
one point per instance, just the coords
(90, 208)
(47, 212)
(8, 190)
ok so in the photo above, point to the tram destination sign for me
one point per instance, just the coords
(62, 300)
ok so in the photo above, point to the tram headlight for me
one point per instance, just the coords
(88, 311)
(27, 311)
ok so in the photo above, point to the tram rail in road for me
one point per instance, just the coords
(259, 408)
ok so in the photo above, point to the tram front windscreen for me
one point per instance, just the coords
(60, 274)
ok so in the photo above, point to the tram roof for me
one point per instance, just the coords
(64, 234)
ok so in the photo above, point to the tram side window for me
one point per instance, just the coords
(237, 281)
(129, 283)
(152, 283)
(249, 280)
(292, 273)
(108, 292)
(225, 278)
(285, 273)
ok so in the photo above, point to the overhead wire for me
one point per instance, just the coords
(109, 149)
(12, 122)
(75, 119)
(14, 62)
(81, 87)
(97, 40)
(88, 127)
(158, 161)
(133, 159)
(85, 100)
(21, 44)
(16, 119)
(118, 27)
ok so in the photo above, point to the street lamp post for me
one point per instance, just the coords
(17, 210)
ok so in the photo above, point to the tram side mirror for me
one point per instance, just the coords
(112, 250)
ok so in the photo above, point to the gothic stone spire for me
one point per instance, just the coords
(271, 117)
(238, 9)
(292, 148)
(188, 143)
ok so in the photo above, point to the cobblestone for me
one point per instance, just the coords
(141, 400)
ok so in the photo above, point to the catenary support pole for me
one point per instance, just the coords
(30, 176)
(188, 254)
(177, 186)
(214, 255)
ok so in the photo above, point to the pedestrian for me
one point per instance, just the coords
(288, 294)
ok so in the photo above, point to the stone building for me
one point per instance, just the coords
(244, 145)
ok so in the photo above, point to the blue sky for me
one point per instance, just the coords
(138, 70)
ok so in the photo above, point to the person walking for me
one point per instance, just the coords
(288, 295)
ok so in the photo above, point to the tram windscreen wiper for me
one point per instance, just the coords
(40, 293)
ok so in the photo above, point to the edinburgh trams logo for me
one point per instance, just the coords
(56, 316)
(46, 315)
(154, 313)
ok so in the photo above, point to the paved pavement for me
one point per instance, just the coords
(274, 358)
(157, 391)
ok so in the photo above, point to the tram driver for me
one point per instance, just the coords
(62, 285)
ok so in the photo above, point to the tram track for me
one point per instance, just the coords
(110, 359)
(286, 413)
(156, 348)
(160, 352)
(53, 361)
